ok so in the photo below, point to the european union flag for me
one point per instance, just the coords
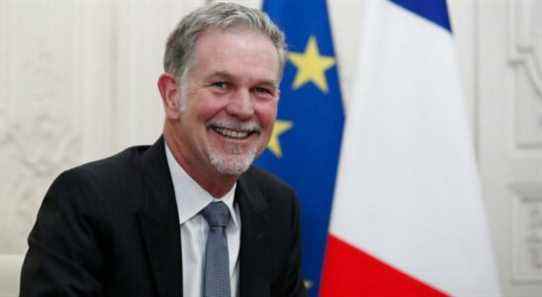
(305, 144)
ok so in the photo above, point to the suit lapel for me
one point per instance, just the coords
(159, 222)
(255, 269)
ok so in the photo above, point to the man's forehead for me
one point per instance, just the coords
(216, 33)
(220, 50)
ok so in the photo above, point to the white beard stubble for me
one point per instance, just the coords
(233, 161)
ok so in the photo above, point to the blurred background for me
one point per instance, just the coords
(78, 83)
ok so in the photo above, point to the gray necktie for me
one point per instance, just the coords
(216, 274)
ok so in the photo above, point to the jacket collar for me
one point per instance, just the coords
(255, 241)
(159, 222)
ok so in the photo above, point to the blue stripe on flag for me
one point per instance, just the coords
(435, 11)
(305, 149)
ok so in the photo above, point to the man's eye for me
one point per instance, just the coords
(263, 90)
(219, 84)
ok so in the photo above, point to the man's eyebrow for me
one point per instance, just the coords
(270, 83)
(226, 75)
(220, 74)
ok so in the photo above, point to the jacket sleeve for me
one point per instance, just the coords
(64, 258)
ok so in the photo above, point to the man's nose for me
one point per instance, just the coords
(241, 105)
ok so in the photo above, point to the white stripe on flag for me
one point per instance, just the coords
(408, 190)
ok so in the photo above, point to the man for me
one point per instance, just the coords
(186, 216)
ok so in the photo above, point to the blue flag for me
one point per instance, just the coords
(305, 144)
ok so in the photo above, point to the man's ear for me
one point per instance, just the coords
(171, 95)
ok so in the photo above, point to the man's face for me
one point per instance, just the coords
(228, 100)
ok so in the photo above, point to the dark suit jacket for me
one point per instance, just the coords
(111, 228)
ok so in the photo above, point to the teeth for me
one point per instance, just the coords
(231, 133)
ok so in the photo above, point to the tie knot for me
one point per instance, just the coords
(216, 214)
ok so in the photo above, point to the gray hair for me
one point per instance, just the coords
(181, 42)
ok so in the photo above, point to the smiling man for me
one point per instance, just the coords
(187, 216)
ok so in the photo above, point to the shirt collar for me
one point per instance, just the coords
(191, 198)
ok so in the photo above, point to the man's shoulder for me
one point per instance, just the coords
(126, 162)
(96, 187)
(265, 178)
(113, 176)
(272, 187)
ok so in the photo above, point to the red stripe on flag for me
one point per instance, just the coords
(350, 272)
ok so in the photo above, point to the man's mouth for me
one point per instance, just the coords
(239, 134)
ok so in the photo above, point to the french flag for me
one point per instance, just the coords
(408, 217)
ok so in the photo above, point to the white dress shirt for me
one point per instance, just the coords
(191, 198)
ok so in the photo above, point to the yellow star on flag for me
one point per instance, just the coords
(274, 142)
(311, 66)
